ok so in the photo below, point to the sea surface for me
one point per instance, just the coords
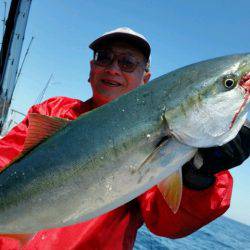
(220, 234)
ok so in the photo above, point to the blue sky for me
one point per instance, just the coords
(180, 33)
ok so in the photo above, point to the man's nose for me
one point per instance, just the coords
(113, 68)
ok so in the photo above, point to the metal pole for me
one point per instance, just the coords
(4, 21)
(10, 53)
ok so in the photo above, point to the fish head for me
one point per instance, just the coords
(217, 101)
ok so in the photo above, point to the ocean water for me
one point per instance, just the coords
(220, 234)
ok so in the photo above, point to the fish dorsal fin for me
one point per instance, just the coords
(40, 128)
(171, 189)
(22, 238)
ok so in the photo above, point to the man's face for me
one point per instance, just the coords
(110, 82)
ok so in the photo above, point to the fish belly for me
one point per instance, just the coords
(92, 191)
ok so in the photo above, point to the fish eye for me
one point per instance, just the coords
(229, 82)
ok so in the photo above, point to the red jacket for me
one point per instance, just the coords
(117, 229)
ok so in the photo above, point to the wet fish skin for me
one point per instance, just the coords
(93, 164)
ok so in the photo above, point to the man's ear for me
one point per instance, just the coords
(146, 77)
(91, 65)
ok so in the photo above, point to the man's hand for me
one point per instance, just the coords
(216, 159)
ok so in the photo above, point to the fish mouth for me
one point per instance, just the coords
(110, 83)
(245, 82)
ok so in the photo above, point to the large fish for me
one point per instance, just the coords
(112, 154)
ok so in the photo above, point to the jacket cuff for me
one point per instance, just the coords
(195, 179)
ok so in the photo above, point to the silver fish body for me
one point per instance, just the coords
(95, 163)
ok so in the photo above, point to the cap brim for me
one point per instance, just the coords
(135, 41)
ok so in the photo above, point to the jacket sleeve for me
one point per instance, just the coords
(12, 144)
(197, 208)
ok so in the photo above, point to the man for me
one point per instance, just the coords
(120, 64)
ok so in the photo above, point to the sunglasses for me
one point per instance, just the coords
(126, 62)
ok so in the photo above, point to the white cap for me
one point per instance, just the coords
(124, 34)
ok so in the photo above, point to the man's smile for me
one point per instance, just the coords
(110, 82)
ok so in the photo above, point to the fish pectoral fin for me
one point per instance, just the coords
(170, 156)
(171, 190)
(40, 128)
(22, 238)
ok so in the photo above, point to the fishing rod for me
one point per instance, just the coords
(27, 51)
(42, 93)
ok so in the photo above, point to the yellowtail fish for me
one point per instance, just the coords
(110, 155)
